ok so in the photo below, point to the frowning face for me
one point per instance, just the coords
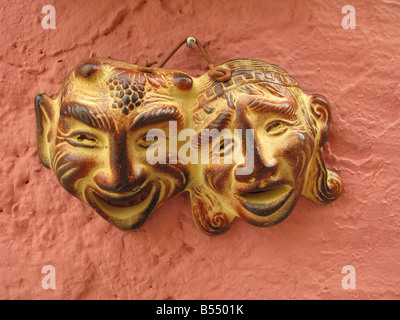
(99, 152)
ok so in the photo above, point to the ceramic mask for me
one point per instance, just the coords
(94, 137)
(274, 158)
(125, 139)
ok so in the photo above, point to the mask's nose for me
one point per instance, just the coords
(259, 165)
(122, 175)
(117, 182)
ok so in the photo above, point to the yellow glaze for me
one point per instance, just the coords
(125, 139)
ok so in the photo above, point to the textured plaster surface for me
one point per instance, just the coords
(169, 258)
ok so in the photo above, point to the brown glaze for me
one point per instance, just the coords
(182, 81)
(92, 136)
(290, 129)
(95, 137)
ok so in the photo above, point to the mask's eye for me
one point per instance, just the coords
(83, 140)
(147, 141)
(224, 148)
(276, 127)
(152, 136)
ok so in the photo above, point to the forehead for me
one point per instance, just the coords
(247, 93)
(266, 89)
(119, 93)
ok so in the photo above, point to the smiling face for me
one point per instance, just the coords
(99, 145)
(279, 147)
(275, 150)
(282, 150)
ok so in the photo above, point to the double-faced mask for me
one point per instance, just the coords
(125, 139)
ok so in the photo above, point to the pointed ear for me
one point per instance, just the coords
(45, 112)
(321, 112)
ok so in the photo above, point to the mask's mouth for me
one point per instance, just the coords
(266, 201)
(127, 206)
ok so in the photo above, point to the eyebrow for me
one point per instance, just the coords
(283, 108)
(89, 116)
(157, 115)
(221, 122)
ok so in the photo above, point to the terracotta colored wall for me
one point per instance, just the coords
(357, 70)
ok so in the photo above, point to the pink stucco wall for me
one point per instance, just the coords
(300, 258)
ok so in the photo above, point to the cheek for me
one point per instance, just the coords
(218, 176)
(174, 176)
(71, 166)
(296, 153)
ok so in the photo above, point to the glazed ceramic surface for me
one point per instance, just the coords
(125, 139)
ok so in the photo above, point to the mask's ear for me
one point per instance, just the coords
(321, 185)
(321, 112)
(45, 112)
